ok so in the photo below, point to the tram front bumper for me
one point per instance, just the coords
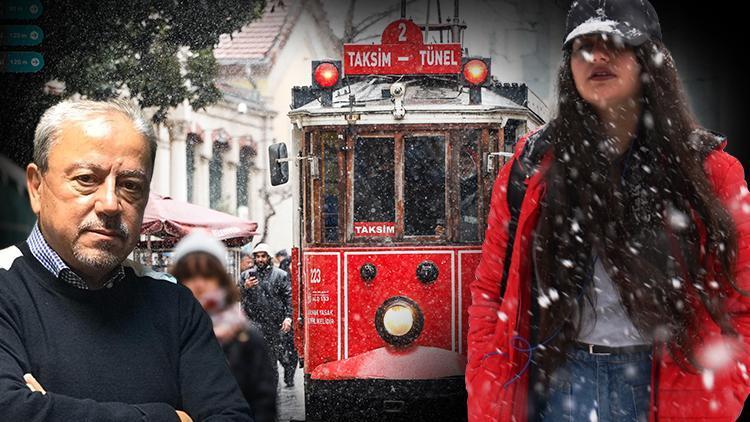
(388, 384)
(412, 363)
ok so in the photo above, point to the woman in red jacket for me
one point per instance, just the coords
(616, 266)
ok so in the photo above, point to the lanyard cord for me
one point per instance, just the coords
(521, 344)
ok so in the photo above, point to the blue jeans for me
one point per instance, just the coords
(599, 388)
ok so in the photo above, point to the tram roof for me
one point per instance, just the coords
(423, 95)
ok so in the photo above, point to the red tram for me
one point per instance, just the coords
(394, 153)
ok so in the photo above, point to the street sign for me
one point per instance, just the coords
(21, 35)
(21, 62)
(402, 52)
(20, 9)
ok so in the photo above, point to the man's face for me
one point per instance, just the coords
(261, 259)
(246, 262)
(91, 199)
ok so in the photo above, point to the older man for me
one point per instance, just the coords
(84, 335)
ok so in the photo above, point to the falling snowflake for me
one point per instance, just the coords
(553, 295)
(708, 379)
(658, 59)
(631, 371)
(678, 220)
(593, 417)
(717, 355)
(713, 405)
(743, 370)
(676, 283)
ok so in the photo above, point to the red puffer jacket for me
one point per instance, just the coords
(496, 375)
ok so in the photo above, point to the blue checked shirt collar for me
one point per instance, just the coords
(55, 265)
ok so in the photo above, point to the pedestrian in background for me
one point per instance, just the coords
(267, 300)
(284, 260)
(288, 356)
(199, 263)
(246, 258)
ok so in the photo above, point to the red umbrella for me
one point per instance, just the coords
(171, 220)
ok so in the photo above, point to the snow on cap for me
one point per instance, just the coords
(262, 247)
(200, 241)
(633, 21)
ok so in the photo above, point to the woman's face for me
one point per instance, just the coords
(606, 74)
(206, 290)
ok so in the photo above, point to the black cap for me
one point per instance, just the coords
(633, 21)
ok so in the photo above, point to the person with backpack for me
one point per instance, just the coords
(614, 282)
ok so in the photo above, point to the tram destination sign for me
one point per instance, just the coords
(402, 52)
(370, 229)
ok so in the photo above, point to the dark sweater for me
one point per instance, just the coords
(135, 352)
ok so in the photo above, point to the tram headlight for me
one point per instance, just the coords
(399, 321)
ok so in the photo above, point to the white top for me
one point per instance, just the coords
(612, 326)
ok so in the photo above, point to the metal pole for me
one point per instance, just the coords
(455, 35)
(440, 19)
(427, 24)
(403, 9)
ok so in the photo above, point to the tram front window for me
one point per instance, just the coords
(373, 183)
(468, 170)
(424, 186)
(330, 187)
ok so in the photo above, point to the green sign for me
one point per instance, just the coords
(20, 9)
(21, 35)
(21, 61)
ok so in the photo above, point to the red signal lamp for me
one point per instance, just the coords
(326, 75)
(475, 72)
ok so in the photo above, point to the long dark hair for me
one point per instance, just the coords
(655, 263)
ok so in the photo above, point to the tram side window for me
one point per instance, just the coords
(424, 185)
(374, 181)
(330, 173)
(468, 170)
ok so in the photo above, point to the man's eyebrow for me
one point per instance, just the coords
(84, 165)
(91, 166)
(132, 173)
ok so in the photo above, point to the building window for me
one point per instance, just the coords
(215, 174)
(247, 153)
(192, 140)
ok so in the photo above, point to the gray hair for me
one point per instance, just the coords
(50, 124)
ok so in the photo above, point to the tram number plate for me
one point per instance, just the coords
(321, 298)
(314, 275)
